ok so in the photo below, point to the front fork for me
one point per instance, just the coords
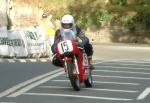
(66, 59)
(76, 65)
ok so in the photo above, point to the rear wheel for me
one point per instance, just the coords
(89, 81)
(74, 78)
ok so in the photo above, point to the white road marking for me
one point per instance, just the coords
(7, 102)
(94, 89)
(130, 72)
(79, 96)
(44, 60)
(11, 60)
(116, 83)
(121, 67)
(122, 77)
(98, 62)
(20, 85)
(27, 88)
(138, 61)
(128, 61)
(128, 64)
(1, 60)
(33, 60)
(22, 60)
(102, 82)
(144, 94)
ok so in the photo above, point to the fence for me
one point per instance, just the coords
(22, 43)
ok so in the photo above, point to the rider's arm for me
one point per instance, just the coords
(57, 36)
(81, 35)
(56, 40)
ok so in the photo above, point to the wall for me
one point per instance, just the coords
(24, 15)
(3, 11)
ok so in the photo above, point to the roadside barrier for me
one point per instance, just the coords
(28, 42)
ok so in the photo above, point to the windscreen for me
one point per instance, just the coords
(67, 34)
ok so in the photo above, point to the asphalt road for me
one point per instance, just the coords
(122, 75)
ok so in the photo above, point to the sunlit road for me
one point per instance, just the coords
(122, 75)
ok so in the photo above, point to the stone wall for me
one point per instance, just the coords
(25, 16)
(117, 34)
(3, 13)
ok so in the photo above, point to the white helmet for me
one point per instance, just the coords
(67, 21)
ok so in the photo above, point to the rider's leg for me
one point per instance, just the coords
(90, 62)
(89, 51)
(56, 61)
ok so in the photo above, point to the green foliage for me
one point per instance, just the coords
(144, 17)
(89, 13)
(140, 7)
(98, 16)
(127, 21)
(60, 13)
(122, 2)
(118, 2)
(93, 12)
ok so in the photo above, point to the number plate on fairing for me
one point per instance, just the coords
(65, 46)
(85, 60)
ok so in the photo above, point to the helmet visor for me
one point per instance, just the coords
(67, 25)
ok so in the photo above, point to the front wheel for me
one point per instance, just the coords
(74, 78)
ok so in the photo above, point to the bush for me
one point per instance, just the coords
(144, 17)
(128, 21)
(118, 2)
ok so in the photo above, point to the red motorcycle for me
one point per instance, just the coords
(74, 60)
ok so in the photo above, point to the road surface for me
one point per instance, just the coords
(121, 75)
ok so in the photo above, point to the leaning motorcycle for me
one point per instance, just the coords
(74, 60)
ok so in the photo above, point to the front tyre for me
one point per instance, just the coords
(74, 78)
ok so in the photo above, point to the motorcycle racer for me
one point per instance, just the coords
(67, 22)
